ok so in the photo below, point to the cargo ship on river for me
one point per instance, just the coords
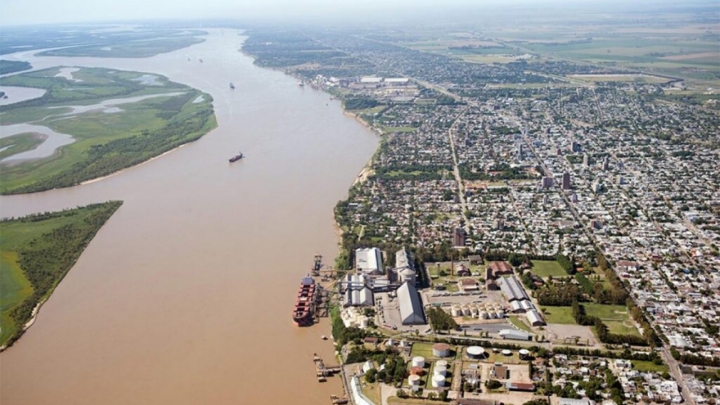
(304, 312)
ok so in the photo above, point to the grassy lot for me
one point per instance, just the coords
(398, 129)
(130, 49)
(104, 143)
(649, 366)
(561, 315)
(35, 254)
(546, 268)
(515, 320)
(372, 391)
(616, 317)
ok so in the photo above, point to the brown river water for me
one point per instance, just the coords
(185, 295)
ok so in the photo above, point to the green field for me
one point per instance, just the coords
(616, 317)
(562, 315)
(35, 254)
(546, 268)
(104, 142)
(643, 366)
(130, 49)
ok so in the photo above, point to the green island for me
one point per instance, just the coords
(153, 116)
(19, 143)
(10, 66)
(36, 252)
(130, 49)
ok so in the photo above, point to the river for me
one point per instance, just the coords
(185, 295)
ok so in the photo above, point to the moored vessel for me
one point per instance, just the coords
(304, 312)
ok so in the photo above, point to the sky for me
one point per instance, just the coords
(29, 12)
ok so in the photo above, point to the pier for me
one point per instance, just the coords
(322, 371)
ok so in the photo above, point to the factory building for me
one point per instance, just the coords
(358, 297)
(534, 318)
(369, 261)
(411, 310)
(405, 267)
(512, 290)
(514, 334)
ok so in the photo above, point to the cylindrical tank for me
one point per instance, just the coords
(455, 311)
(438, 381)
(524, 353)
(475, 352)
(499, 314)
(441, 350)
(391, 342)
(439, 371)
(474, 312)
(441, 363)
(466, 311)
(483, 315)
(418, 361)
(506, 352)
(491, 314)
(417, 370)
(363, 323)
(414, 380)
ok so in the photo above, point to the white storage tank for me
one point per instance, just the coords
(475, 352)
(438, 381)
(363, 323)
(466, 311)
(414, 380)
(439, 371)
(441, 363)
(499, 314)
(456, 311)
(524, 353)
(418, 361)
(506, 352)
(391, 342)
(474, 312)
(483, 315)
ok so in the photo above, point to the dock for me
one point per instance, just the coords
(322, 371)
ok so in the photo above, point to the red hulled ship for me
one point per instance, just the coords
(304, 313)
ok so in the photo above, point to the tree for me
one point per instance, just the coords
(371, 375)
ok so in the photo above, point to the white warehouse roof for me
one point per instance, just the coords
(411, 311)
(369, 260)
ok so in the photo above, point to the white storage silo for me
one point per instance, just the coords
(438, 381)
(524, 353)
(414, 380)
(466, 310)
(483, 315)
(456, 311)
(473, 312)
(441, 363)
(418, 361)
(439, 371)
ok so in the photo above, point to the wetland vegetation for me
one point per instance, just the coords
(36, 252)
(107, 139)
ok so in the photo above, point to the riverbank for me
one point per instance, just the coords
(36, 252)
